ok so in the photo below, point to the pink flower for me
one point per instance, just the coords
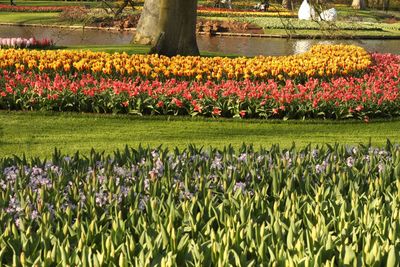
(177, 102)
(216, 111)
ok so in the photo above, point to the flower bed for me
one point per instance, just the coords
(243, 6)
(225, 12)
(19, 8)
(25, 43)
(334, 206)
(327, 82)
(296, 24)
(321, 61)
(375, 94)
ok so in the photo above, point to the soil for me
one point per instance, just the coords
(386, 17)
(391, 20)
(203, 25)
(212, 26)
(125, 22)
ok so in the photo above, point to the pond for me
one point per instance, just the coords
(232, 45)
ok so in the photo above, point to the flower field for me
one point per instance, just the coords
(327, 82)
(202, 11)
(226, 12)
(221, 205)
(330, 206)
(19, 8)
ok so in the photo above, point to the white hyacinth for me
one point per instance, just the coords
(17, 42)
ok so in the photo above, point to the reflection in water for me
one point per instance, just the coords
(277, 47)
(230, 45)
(301, 46)
(68, 36)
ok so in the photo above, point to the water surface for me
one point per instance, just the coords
(231, 45)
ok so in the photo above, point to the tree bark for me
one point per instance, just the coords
(287, 4)
(177, 28)
(358, 4)
(385, 5)
(147, 30)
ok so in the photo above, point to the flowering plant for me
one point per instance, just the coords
(246, 206)
(321, 61)
(25, 43)
(327, 82)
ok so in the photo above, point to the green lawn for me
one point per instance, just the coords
(30, 17)
(37, 134)
(130, 49)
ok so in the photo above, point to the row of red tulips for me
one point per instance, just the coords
(376, 94)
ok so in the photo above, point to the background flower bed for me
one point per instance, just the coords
(296, 24)
(223, 12)
(21, 8)
(333, 205)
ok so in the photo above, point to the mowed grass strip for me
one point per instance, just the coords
(131, 49)
(37, 134)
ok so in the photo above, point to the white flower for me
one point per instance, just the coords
(350, 162)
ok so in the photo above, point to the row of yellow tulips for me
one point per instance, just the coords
(321, 60)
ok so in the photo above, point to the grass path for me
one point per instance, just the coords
(37, 134)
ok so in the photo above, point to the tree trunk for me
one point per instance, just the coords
(358, 4)
(386, 4)
(147, 30)
(177, 28)
(287, 4)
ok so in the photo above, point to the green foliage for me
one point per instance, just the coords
(333, 205)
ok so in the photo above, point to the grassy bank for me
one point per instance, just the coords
(37, 134)
(130, 49)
